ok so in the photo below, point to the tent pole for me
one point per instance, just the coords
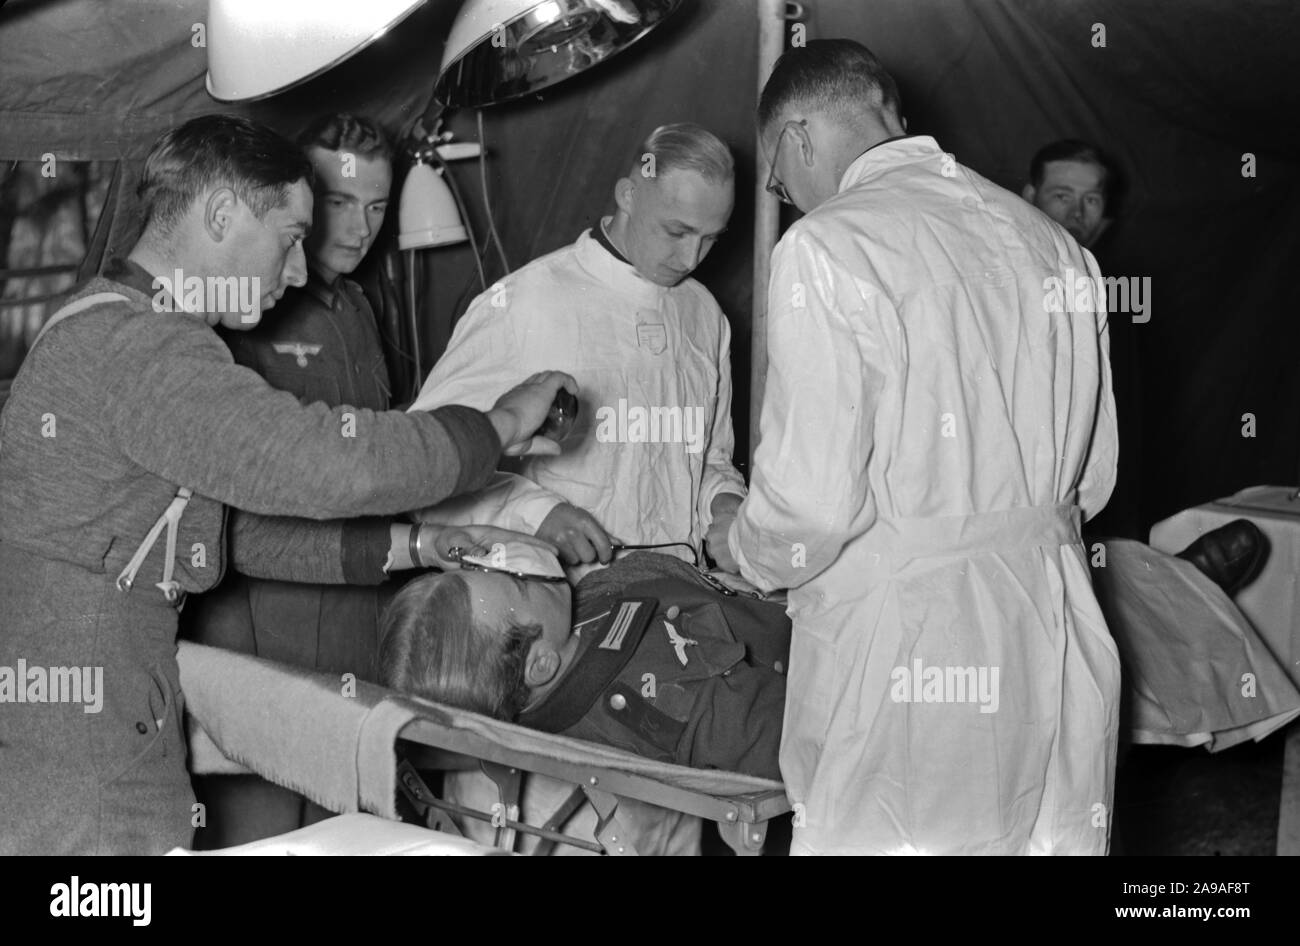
(767, 220)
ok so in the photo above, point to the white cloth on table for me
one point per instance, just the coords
(1271, 602)
(1196, 672)
(351, 836)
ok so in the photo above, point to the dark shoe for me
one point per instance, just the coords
(1230, 555)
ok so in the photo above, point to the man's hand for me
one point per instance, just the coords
(577, 534)
(436, 543)
(520, 411)
(724, 509)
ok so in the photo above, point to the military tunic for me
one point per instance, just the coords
(670, 669)
(115, 409)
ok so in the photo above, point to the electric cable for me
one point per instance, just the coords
(487, 202)
(464, 216)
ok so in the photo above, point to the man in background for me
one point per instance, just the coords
(1079, 186)
(1072, 182)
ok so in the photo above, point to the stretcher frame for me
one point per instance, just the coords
(363, 751)
(741, 819)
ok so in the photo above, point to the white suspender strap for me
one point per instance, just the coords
(78, 305)
(171, 519)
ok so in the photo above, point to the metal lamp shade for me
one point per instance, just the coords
(257, 48)
(427, 214)
(503, 49)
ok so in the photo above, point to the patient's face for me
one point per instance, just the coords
(500, 600)
(673, 222)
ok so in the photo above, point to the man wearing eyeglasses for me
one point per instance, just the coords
(931, 436)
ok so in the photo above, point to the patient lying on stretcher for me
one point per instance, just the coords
(643, 656)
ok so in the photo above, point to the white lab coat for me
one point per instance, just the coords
(625, 339)
(927, 431)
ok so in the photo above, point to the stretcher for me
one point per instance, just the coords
(354, 746)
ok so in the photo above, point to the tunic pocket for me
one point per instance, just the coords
(147, 716)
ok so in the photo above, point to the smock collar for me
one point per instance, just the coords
(610, 271)
(889, 153)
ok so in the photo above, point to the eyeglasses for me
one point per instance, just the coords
(773, 186)
(478, 564)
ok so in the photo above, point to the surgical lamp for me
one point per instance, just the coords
(257, 48)
(504, 49)
(497, 49)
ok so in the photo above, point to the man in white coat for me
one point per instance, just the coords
(649, 461)
(937, 421)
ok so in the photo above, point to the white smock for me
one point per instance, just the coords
(930, 433)
(653, 440)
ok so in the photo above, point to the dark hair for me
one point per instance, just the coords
(343, 131)
(1072, 149)
(258, 164)
(431, 647)
(836, 75)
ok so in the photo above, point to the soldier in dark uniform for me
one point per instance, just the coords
(322, 346)
(649, 659)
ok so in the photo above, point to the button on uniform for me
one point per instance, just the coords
(618, 701)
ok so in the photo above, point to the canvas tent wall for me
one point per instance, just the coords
(1181, 91)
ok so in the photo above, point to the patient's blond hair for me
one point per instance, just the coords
(430, 646)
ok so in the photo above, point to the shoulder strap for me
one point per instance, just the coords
(78, 305)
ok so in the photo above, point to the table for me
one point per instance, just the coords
(1271, 602)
